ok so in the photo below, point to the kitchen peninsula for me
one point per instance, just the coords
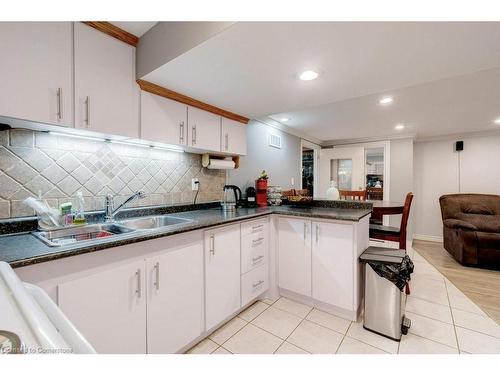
(198, 274)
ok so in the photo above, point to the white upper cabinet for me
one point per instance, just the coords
(233, 137)
(204, 130)
(163, 120)
(294, 255)
(106, 93)
(36, 71)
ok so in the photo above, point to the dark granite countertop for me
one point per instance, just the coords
(22, 249)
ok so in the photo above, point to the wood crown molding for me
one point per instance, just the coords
(169, 94)
(114, 31)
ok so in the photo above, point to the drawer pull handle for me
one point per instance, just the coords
(260, 239)
(258, 284)
(259, 258)
(258, 228)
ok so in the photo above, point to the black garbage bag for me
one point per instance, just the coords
(396, 273)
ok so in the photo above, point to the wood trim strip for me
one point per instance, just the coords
(114, 31)
(169, 94)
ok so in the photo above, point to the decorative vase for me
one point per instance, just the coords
(261, 184)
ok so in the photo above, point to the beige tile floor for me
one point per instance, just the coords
(444, 321)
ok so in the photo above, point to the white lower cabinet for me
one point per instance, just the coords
(175, 298)
(109, 308)
(254, 259)
(254, 244)
(152, 305)
(294, 255)
(222, 274)
(332, 264)
(254, 283)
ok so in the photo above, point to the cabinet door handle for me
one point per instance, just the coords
(212, 244)
(305, 229)
(138, 291)
(87, 119)
(317, 233)
(59, 104)
(193, 134)
(181, 131)
(157, 276)
(227, 142)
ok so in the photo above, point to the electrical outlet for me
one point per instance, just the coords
(292, 181)
(195, 184)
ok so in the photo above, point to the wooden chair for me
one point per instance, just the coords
(376, 194)
(353, 194)
(386, 233)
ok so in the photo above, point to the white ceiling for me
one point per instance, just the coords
(433, 70)
(136, 28)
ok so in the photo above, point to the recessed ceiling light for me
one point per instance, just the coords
(284, 119)
(386, 100)
(497, 121)
(308, 75)
(399, 127)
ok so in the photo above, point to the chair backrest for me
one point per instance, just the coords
(404, 220)
(353, 194)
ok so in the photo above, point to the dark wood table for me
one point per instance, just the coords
(381, 208)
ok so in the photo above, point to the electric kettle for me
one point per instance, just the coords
(231, 197)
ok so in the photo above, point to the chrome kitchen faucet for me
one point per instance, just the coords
(110, 213)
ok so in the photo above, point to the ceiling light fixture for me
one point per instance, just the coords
(399, 127)
(386, 100)
(308, 75)
(284, 119)
(497, 121)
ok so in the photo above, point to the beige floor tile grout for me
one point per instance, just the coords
(343, 338)
(422, 260)
(226, 340)
(321, 325)
(451, 311)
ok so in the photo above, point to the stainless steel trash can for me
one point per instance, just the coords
(384, 301)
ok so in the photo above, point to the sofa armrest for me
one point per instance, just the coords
(459, 224)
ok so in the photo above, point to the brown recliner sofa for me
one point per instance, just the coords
(471, 228)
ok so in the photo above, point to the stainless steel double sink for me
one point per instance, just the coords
(96, 232)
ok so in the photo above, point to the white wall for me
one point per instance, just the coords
(401, 177)
(281, 164)
(356, 153)
(437, 172)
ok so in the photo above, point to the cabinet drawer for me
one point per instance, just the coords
(254, 283)
(255, 227)
(254, 250)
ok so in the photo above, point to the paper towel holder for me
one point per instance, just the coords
(205, 159)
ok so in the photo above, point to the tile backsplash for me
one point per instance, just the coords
(33, 163)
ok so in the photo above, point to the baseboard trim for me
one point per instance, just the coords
(425, 237)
